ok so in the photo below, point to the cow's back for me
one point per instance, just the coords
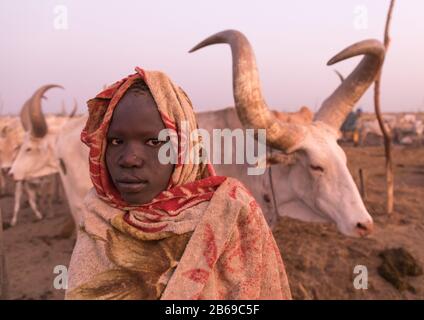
(72, 155)
(259, 185)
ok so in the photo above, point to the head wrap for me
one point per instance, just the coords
(190, 183)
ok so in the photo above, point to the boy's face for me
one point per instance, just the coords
(132, 149)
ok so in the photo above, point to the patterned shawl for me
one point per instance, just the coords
(204, 237)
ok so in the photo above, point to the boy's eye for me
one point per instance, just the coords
(155, 142)
(115, 141)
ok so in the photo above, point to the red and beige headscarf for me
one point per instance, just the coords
(190, 183)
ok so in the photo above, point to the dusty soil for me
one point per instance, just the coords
(319, 260)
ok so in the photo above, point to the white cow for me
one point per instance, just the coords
(367, 127)
(318, 185)
(11, 136)
(72, 157)
(32, 177)
(407, 129)
(402, 131)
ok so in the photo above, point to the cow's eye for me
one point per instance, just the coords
(317, 168)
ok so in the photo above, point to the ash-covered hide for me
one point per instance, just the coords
(262, 186)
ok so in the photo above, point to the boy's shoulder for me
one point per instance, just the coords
(243, 199)
(237, 190)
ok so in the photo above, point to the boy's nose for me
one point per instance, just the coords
(131, 159)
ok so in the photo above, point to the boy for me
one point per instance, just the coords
(164, 231)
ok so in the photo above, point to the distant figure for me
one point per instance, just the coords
(349, 127)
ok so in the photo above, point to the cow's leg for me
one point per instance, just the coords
(9, 183)
(18, 195)
(49, 205)
(2, 183)
(50, 195)
(57, 189)
(32, 198)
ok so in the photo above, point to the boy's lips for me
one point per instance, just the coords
(131, 185)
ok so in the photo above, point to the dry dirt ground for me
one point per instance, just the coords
(319, 260)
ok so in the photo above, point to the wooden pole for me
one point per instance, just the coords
(386, 135)
(362, 187)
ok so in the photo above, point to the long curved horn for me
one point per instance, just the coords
(36, 116)
(74, 109)
(24, 115)
(250, 104)
(337, 106)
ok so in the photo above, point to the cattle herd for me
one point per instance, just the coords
(306, 175)
(405, 129)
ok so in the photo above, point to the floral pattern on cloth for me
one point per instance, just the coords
(231, 254)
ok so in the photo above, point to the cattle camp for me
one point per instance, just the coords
(212, 156)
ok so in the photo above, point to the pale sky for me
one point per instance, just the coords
(293, 40)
